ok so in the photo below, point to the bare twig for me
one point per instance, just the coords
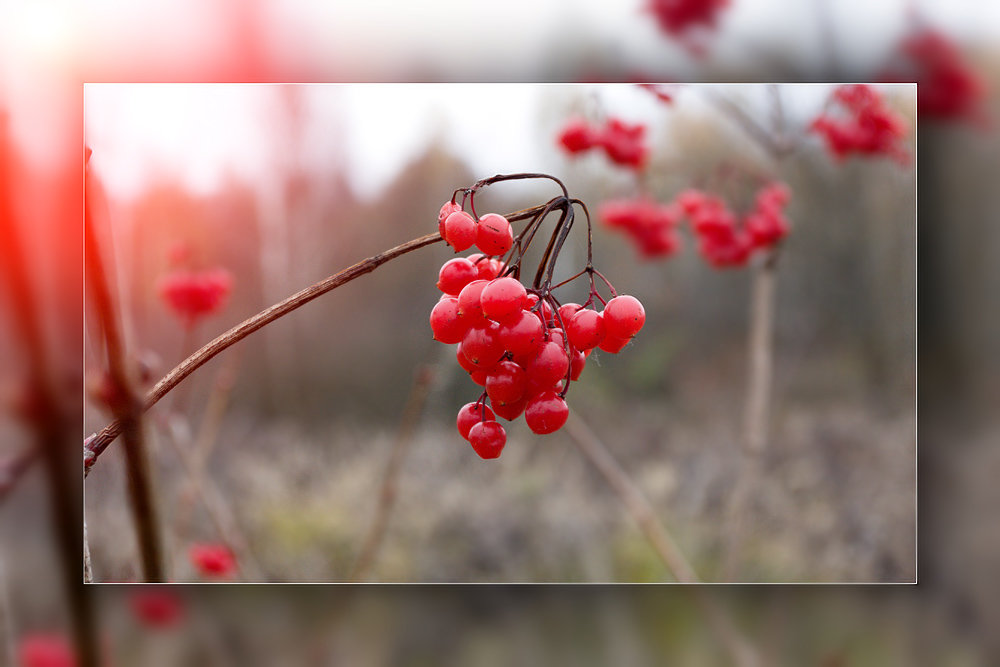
(741, 651)
(127, 405)
(203, 442)
(218, 510)
(88, 567)
(108, 434)
(635, 502)
(387, 496)
(756, 410)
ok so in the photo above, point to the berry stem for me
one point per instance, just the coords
(107, 435)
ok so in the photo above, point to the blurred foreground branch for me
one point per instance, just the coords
(107, 435)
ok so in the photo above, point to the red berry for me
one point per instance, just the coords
(623, 316)
(522, 336)
(455, 274)
(446, 324)
(506, 383)
(471, 414)
(469, 308)
(494, 235)
(45, 650)
(613, 344)
(212, 559)
(479, 377)
(549, 366)
(489, 268)
(157, 608)
(586, 329)
(463, 361)
(510, 411)
(546, 413)
(482, 346)
(447, 209)
(503, 298)
(577, 136)
(460, 230)
(488, 439)
(576, 365)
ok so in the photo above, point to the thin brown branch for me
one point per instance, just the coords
(387, 495)
(768, 142)
(218, 510)
(755, 414)
(108, 434)
(741, 651)
(203, 442)
(635, 501)
(127, 405)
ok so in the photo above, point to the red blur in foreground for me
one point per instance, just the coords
(866, 125)
(212, 560)
(157, 608)
(193, 295)
(44, 650)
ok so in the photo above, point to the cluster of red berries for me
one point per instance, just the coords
(520, 344)
(491, 233)
(650, 225)
(868, 126)
(192, 295)
(947, 87)
(212, 560)
(677, 17)
(724, 240)
(623, 143)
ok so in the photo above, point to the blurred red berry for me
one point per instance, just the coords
(156, 608)
(45, 650)
(676, 17)
(577, 136)
(213, 560)
(192, 295)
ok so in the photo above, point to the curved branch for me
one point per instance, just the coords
(97, 446)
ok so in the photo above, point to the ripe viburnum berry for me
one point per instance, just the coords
(649, 224)
(502, 298)
(623, 316)
(506, 383)
(455, 274)
(447, 209)
(470, 308)
(585, 329)
(524, 335)
(487, 438)
(470, 414)
(546, 413)
(677, 17)
(624, 143)
(494, 235)
(460, 230)
(446, 324)
(214, 560)
(482, 346)
(549, 366)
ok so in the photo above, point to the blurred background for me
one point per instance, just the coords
(50, 48)
(312, 402)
